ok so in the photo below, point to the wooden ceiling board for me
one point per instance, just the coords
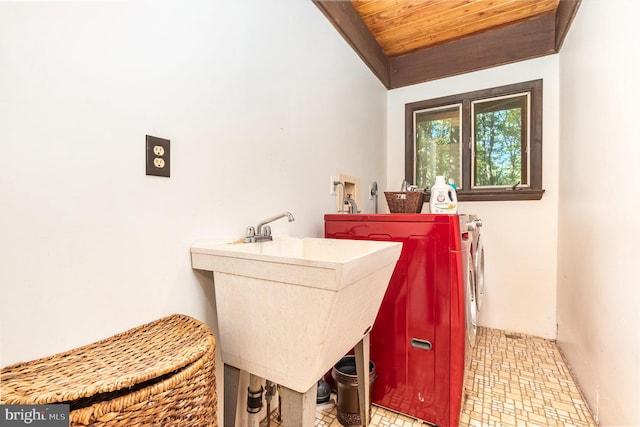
(402, 27)
(447, 32)
(405, 42)
(412, 26)
(527, 39)
(380, 11)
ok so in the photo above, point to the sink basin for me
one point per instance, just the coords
(290, 308)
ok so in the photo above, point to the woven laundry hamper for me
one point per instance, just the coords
(158, 374)
(404, 201)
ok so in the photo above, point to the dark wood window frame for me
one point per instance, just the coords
(534, 191)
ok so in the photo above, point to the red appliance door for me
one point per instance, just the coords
(409, 341)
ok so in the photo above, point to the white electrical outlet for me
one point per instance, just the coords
(157, 156)
(332, 187)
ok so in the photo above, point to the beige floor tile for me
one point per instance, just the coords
(515, 380)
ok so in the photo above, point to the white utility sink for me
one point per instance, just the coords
(290, 308)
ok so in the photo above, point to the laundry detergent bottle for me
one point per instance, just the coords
(443, 198)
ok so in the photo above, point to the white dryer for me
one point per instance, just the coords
(477, 255)
(471, 324)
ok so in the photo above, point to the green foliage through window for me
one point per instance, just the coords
(437, 145)
(488, 141)
(500, 141)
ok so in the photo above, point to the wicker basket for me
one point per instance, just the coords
(158, 374)
(404, 201)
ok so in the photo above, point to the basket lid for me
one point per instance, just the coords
(122, 361)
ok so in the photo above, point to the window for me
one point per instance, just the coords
(489, 142)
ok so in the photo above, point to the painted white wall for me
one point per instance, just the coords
(598, 292)
(520, 237)
(262, 102)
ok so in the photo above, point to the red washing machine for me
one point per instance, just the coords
(421, 339)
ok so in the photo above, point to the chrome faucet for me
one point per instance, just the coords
(262, 232)
(352, 207)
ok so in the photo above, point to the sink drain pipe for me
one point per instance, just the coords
(254, 399)
(270, 392)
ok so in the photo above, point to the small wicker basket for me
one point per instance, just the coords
(158, 374)
(404, 201)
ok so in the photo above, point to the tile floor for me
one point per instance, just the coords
(515, 380)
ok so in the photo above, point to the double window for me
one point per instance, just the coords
(488, 142)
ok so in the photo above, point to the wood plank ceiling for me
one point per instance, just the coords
(406, 42)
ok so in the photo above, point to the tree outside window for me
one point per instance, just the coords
(437, 144)
(500, 141)
(489, 142)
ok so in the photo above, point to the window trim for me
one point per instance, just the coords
(534, 191)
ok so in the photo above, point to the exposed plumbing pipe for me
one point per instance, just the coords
(279, 405)
(270, 392)
(254, 400)
(335, 184)
(374, 194)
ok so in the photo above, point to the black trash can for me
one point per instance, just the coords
(346, 379)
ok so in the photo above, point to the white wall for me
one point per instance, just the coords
(262, 102)
(598, 290)
(520, 237)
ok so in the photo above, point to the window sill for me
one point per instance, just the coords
(496, 195)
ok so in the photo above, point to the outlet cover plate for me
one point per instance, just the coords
(158, 156)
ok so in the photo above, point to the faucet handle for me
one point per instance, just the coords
(251, 231)
(266, 231)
